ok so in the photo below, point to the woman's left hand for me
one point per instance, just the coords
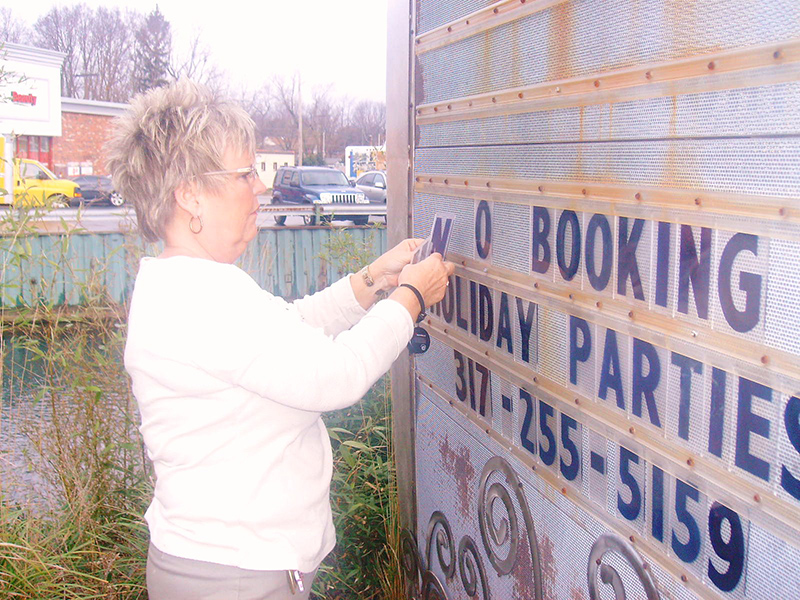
(386, 268)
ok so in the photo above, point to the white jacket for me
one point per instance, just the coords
(230, 383)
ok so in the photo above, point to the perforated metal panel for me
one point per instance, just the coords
(626, 301)
(584, 37)
(764, 110)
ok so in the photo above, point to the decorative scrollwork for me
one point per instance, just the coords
(470, 566)
(609, 542)
(410, 560)
(507, 530)
(432, 588)
(439, 532)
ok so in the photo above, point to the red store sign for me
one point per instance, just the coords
(23, 98)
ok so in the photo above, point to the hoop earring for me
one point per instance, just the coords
(191, 226)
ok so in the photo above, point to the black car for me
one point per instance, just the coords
(97, 189)
(316, 185)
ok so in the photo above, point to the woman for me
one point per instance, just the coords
(230, 380)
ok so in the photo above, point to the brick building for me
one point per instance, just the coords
(85, 127)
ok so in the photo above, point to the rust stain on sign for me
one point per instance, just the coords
(522, 573)
(458, 463)
(548, 562)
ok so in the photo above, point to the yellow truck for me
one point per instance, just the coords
(36, 185)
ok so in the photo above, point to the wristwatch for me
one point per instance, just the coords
(368, 280)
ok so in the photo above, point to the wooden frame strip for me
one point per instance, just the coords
(481, 20)
(697, 206)
(758, 65)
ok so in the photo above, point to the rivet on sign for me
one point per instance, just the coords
(782, 211)
(486, 269)
(467, 21)
(487, 430)
(430, 179)
(630, 314)
(558, 90)
(571, 297)
(521, 95)
(522, 1)
(777, 54)
(417, 41)
(638, 196)
(536, 286)
(470, 103)
(632, 430)
(495, 11)
(584, 192)
(648, 75)
(711, 66)
(494, 99)
(541, 188)
(757, 498)
(418, 178)
(690, 462)
(447, 182)
(764, 359)
(577, 401)
(533, 467)
(449, 107)
(535, 380)
(449, 29)
(697, 201)
(445, 330)
(486, 353)
(632, 539)
(419, 111)
(598, 561)
(488, 184)
(466, 183)
(564, 491)
(463, 263)
(598, 304)
(596, 83)
(694, 333)
(519, 485)
(684, 578)
(435, 109)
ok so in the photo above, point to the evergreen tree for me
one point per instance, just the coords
(153, 49)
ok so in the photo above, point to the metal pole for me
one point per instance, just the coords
(300, 119)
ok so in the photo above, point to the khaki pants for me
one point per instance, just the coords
(173, 578)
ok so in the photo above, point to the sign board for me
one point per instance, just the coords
(610, 406)
(30, 90)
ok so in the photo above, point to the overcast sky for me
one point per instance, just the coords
(339, 42)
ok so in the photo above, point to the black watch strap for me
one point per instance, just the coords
(422, 313)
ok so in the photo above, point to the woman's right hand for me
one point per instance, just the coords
(430, 276)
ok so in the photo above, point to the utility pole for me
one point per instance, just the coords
(300, 119)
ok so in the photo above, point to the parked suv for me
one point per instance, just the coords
(316, 185)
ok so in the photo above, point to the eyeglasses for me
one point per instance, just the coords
(247, 173)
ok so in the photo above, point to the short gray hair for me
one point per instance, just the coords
(171, 136)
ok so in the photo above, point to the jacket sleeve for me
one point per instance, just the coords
(267, 346)
(333, 309)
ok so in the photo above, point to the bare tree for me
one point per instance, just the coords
(59, 29)
(12, 29)
(196, 64)
(98, 45)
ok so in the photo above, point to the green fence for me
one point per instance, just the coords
(65, 269)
